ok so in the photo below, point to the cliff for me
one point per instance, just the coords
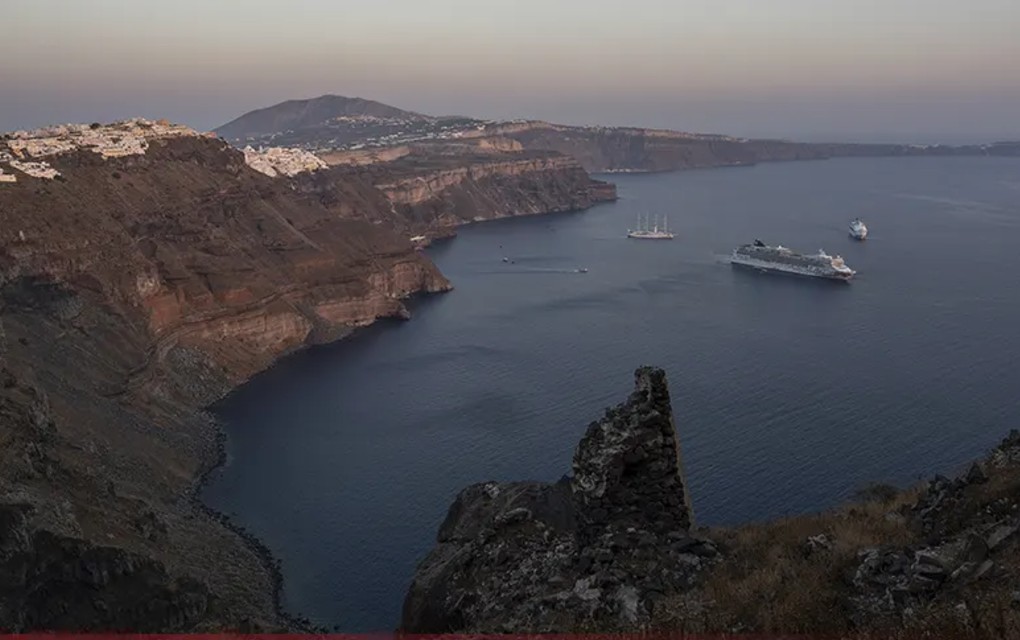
(146, 270)
(134, 290)
(432, 192)
(623, 149)
(613, 547)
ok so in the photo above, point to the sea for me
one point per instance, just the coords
(789, 394)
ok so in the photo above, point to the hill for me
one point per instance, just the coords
(295, 115)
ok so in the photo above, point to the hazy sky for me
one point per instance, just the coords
(807, 68)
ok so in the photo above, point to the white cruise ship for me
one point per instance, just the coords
(643, 232)
(782, 260)
(858, 230)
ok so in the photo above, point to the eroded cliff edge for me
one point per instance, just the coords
(145, 270)
(433, 189)
(613, 547)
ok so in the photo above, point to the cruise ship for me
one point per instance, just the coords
(858, 230)
(780, 259)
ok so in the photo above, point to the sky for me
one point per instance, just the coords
(910, 70)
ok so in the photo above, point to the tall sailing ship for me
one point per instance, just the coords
(782, 260)
(643, 232)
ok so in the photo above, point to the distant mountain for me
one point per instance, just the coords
(295, 115)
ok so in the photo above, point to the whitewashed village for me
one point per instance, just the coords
(25, 153)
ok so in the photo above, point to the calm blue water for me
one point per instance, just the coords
(790, 394)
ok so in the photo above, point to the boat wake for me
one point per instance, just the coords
(517, 270)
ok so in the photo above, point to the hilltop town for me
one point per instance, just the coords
(25, 151)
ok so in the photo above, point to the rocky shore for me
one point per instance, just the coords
(613, 547)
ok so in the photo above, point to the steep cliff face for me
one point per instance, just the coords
(205, 251)
(433, 191)
(612, 547)
(133, 291)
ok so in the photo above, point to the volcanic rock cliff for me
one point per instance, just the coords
(133, 291)
(433, 191)
(613, 547)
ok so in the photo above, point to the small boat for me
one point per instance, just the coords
(582, 270)
(644, 233)
(858, 231)
(506, 259)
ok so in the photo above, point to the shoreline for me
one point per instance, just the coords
(217, 460)
(270, 563)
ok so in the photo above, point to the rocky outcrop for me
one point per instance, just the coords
(597, 548)
(611, 547)
(966, 534)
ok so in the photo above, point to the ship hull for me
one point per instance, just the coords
(858, 231)
(638, 237)
(790, 270)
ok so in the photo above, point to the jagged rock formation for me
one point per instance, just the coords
(599, 547)
(611, 548)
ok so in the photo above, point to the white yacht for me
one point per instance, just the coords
(643, 232)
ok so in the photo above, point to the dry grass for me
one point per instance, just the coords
(769, 582)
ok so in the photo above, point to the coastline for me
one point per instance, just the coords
(217, 460)
(270, 563)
